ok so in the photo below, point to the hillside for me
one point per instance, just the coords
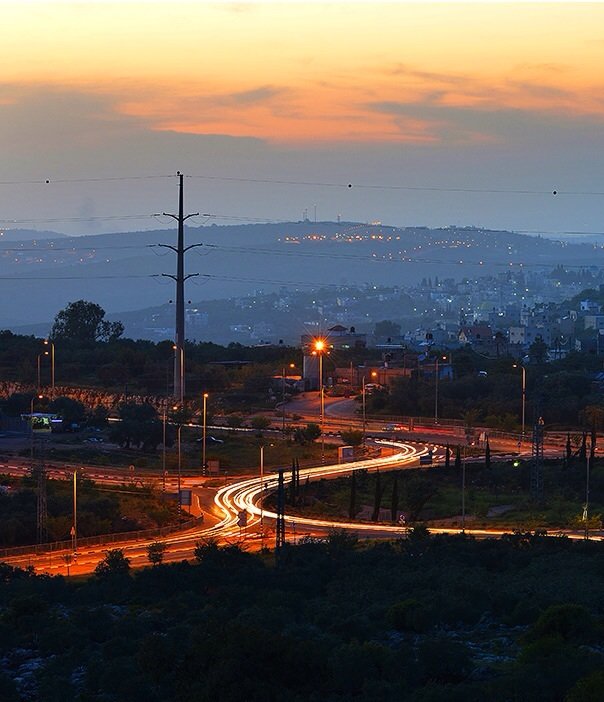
(124, 271)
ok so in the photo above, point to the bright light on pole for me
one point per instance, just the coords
(319, 349)
(48, 342)
(444, 358)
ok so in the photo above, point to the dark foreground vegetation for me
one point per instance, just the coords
(425, 619)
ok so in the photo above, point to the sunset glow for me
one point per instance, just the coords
(312, 72)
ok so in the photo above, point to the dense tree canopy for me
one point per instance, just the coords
(84, 321)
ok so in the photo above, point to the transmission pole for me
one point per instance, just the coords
(280, 530)
(180, 249)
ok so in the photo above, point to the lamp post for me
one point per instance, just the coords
(178, 431)
(283, 379)
(44, 353)
(364, 410)
(31, 422)
(203, 436)
(319, 349)
(180, 350)
(163, 457)
(444, 358)
(74, 528)
(523, 369)
(48, 342)
(586, 508)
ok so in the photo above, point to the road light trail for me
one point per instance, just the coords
(245, 495)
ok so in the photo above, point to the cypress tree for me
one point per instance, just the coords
(457, 458)
(297, 477)
(447, 457)
(352, 508)
(377, 501)
(569, 451)
(487, 455)
(583, 449)
(394, 501)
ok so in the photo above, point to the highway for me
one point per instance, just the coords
(228, 502)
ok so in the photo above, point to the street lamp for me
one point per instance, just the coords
(283, 379)
(178, 430)
(586, 507)
(74, 528)
(319, 347)
(163, 461)
(181, 351)
(364, 409)
(523, 369)
(44, 353)
(31, 421)
(48, 342)
(203, 439)
(444, 358)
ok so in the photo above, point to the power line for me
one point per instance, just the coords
(384, 186)
(51, 181)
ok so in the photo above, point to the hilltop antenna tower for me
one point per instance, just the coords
(180, 249)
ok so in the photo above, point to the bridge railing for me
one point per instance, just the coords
(100, 539)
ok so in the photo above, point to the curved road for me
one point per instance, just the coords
(229, 501)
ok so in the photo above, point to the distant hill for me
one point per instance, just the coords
(125, 271)
(28, 235)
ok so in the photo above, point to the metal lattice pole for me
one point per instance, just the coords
(280, 531)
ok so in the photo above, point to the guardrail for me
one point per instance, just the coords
(99, 539)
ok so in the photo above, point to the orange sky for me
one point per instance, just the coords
(297, 72)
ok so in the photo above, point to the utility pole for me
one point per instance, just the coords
(180, 249)
(280, 527)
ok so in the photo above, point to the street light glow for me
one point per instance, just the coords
(319, 345)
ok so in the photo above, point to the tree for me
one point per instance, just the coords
(310, 433)
(70, 411)
(114, 563)
(260, 423)
(139, 426)
(457, 458)
(569, 451)
(84, 321)
(487, 455)
(387, 328)
(155, 552)
(538, 351)
(352, 437)
(447, 457)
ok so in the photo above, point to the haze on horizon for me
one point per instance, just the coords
(448, 97)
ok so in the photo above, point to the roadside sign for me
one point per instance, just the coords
(242, 518)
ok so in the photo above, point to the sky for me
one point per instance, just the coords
(434, 113)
